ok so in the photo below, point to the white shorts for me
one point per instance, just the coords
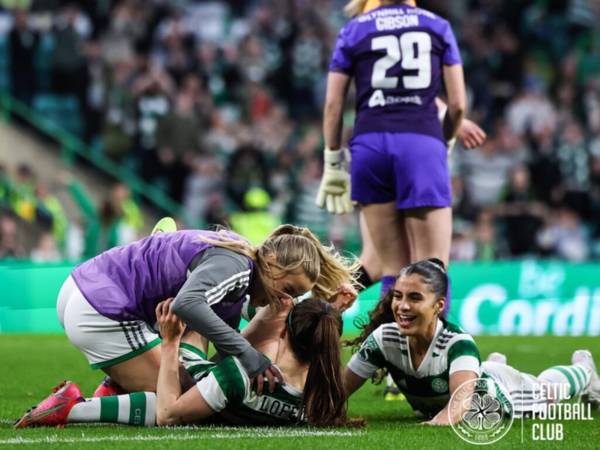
(104, 342)
(522, 388)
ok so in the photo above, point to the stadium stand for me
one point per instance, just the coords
(208, 100)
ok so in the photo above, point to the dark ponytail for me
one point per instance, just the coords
(433, 272)
(314, 329)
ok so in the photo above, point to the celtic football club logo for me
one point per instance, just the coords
(439, 385)
(485, 410)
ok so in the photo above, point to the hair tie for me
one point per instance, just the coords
(437, 266)
(328, 308)
(289, 321)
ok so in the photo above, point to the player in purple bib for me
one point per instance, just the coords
(398, 55)
(107, 305)
(126, 283)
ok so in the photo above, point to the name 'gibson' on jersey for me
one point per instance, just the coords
(395, 54)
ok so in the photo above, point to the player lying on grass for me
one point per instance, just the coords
(107, 304)
(429, 358)
(307, 352)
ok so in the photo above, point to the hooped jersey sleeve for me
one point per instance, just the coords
(463, 354)
(369, 357)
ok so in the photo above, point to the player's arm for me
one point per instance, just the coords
(455, 411)
(173, 408)
(334, 190)
(266, 327)
(454, 80)
(352, 382)
(344, 297)
(364, 363)
(217, 276)
(464, 365)
(470, 134)
(337, 88)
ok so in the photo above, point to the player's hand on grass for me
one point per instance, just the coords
(334, 190)
(442, 418)
(470, 134)
(435, 422)
(170, 326)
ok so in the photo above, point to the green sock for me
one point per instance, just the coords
(577, 377)
(138, 408)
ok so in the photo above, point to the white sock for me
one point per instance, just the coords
(389, 381)
(88, 411)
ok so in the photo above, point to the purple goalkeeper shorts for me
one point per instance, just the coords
(410, 169)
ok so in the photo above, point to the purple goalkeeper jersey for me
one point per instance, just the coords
(395, 55)
(127, 282)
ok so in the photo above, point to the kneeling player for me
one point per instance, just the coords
(307, 352)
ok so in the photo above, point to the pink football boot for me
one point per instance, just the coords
(108, 388)
(54, 410)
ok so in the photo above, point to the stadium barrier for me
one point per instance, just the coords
(503, 298)
(72, 146)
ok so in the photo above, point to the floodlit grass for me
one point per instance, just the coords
(32, 365)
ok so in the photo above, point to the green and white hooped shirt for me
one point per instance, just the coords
(427, 387)
(227, 389)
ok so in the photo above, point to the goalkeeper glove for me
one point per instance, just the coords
(334, 190)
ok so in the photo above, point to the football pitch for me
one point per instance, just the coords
(32, 365)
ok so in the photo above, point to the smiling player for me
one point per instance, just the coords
(430, 358)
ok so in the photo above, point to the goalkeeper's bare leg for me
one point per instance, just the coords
(386, 228)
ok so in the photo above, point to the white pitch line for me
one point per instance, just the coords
(260, 434)
(71, 425)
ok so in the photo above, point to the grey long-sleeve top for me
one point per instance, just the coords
(217, 285)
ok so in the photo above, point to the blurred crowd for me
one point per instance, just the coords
(34, 223)
(219, 104)
(533, 71)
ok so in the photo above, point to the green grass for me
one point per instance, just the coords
(31, 365)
